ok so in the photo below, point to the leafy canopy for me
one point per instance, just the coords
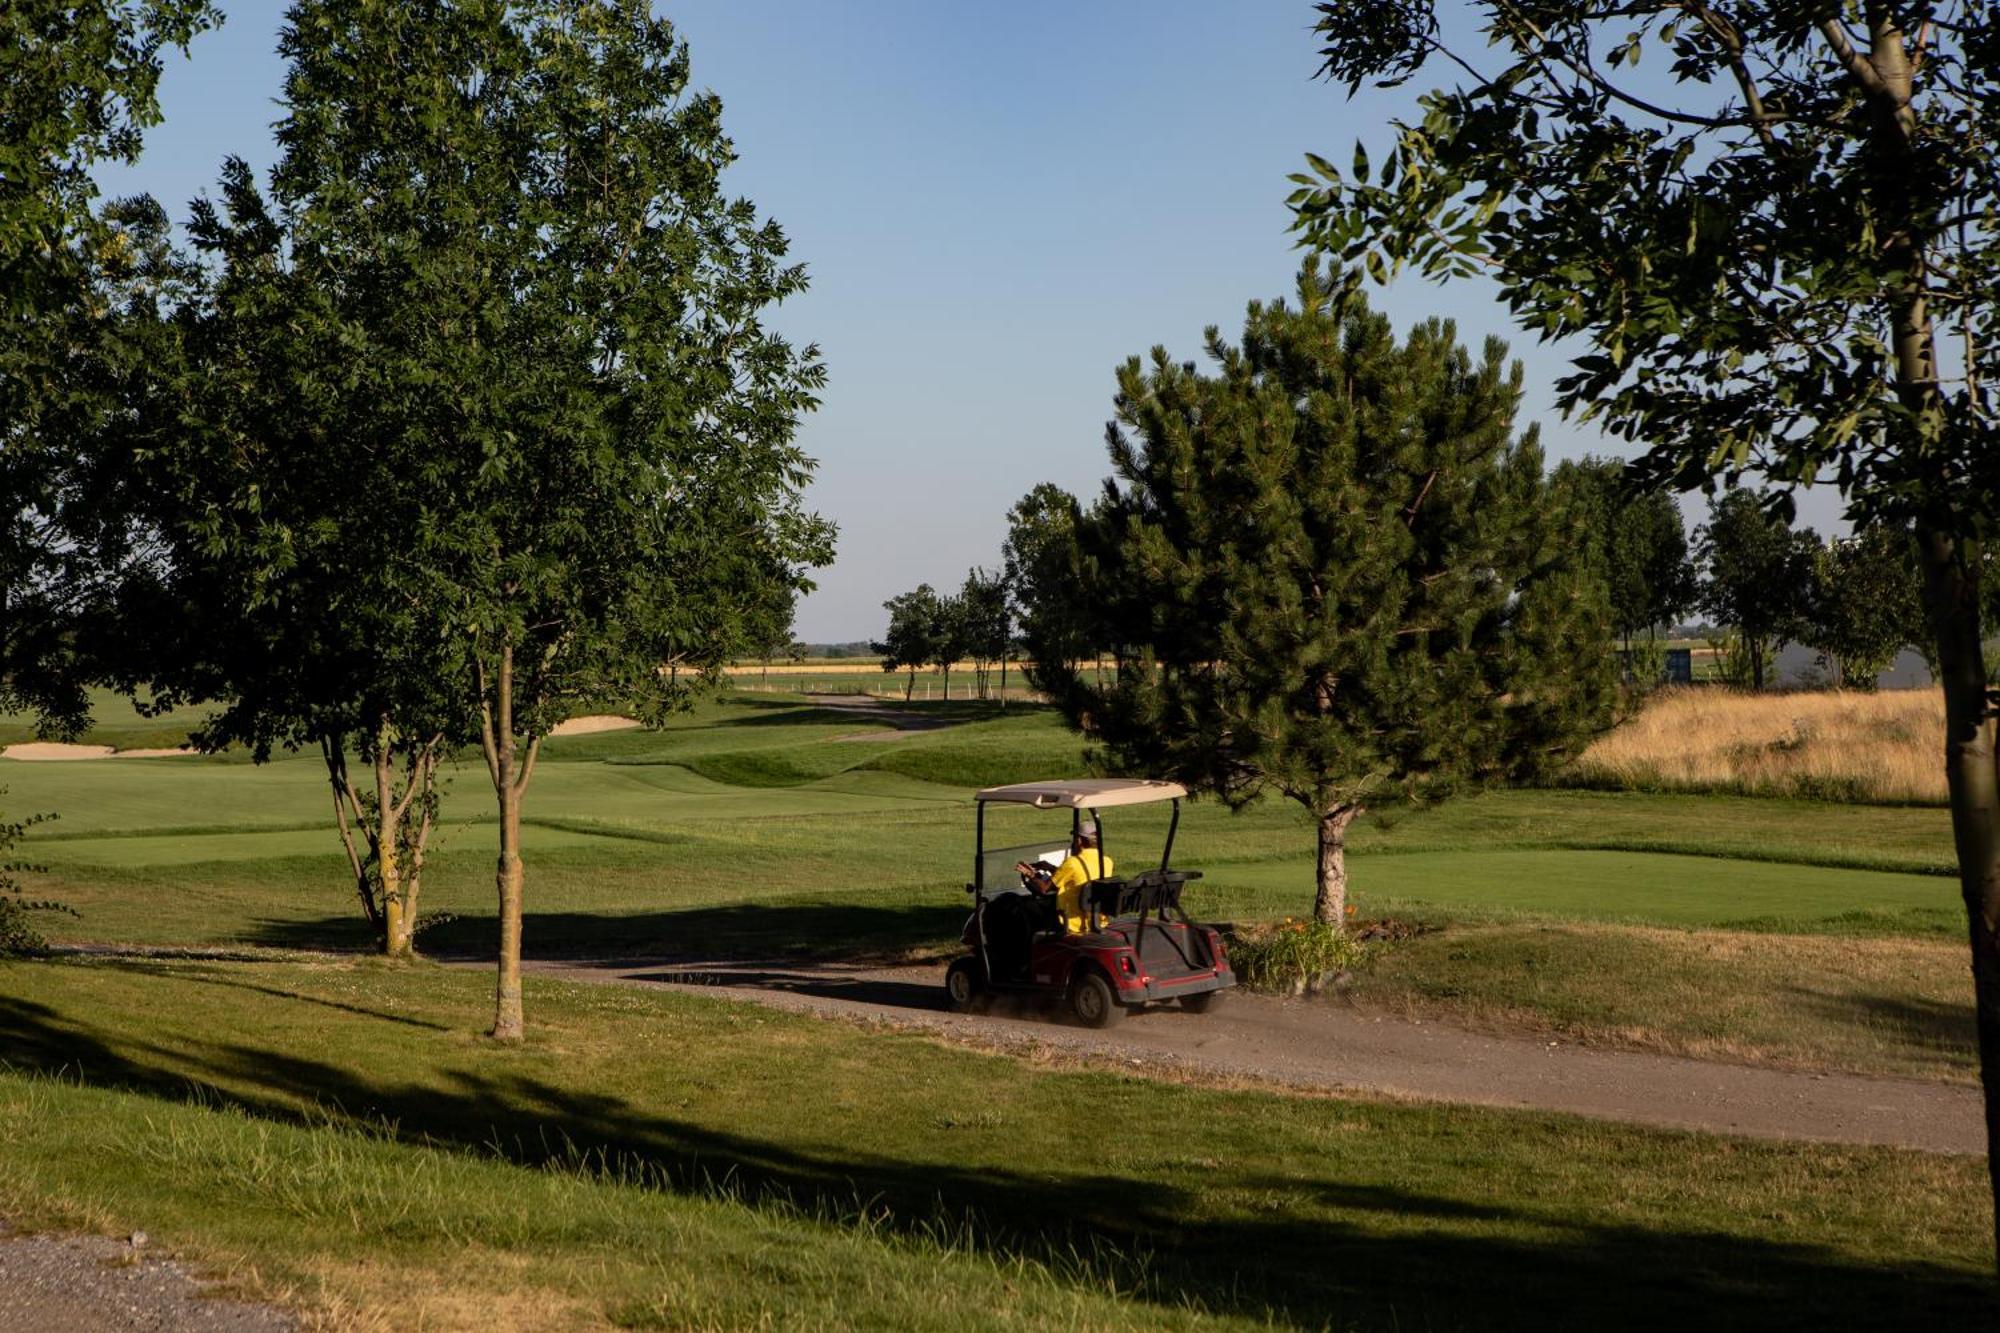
(1749, 212)
(78, 85)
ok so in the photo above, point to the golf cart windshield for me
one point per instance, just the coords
(997, 863)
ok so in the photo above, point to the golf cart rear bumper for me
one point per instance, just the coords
(1172, 988)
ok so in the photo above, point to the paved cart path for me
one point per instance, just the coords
(1326, 1044)
(49, 1284)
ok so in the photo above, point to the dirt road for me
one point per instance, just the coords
(1326, 1044)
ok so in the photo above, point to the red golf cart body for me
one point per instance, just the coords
(1139, 946)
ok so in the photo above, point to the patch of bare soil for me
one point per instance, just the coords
(60, 751)
(593, 723)
(92, 1282)
(1328, 1045)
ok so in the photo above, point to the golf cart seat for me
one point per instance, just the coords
(1147, 891)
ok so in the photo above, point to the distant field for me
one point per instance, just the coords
(1829, 744)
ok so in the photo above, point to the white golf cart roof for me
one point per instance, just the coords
(1085, 793)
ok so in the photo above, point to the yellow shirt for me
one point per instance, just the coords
(1081, 868)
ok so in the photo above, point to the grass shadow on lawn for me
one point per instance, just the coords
(806, 929)
(1343, 1274)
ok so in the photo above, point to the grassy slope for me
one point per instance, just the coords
(338, 1127)
(1883, 1006)
(752, 826)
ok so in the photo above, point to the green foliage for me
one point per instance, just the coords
(1862, 604)
(1750, 216)
(77, 88)
(1640, 542)
(915, 629)
(1757, 574)
(1290, 957)
(17, 936)
(1041, 562)
(1328, 569)
(986, 614)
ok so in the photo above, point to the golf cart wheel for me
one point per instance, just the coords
(963, 985)
(1202, 1003)
(1091, 1002)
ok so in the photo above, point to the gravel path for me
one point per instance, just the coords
(1327, 1044)
(51, 1284)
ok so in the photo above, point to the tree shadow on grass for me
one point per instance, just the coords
(1937, 1026)
(1369, 1256)
(804, 929)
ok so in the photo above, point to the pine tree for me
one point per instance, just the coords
(1330, 569)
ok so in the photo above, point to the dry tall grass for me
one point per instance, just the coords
(1834, 745)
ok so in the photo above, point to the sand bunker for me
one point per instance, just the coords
(585, 726)
(58, 751)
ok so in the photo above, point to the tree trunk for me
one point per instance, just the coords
(1952, 594)
(423, 785)
(334, 750)
(1950, 565)
(1330, 897)
(509, 1024)
(910, 685)
(388, 840)
(510, 780)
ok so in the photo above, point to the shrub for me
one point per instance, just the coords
(16, 935)
(1293, 957)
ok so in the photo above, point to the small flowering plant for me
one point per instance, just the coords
(1293, 956)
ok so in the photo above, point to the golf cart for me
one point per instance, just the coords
(1138, 946)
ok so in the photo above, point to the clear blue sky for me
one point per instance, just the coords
(998, 204)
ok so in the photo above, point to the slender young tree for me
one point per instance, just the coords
(989, 629)
(1331, 570)
(258, 448)
(1774, 226)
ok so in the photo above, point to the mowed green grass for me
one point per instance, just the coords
(760, 806)
(339, 1131)
(757, 826)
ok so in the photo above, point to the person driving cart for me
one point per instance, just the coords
(1084, 865)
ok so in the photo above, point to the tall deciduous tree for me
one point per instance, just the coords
(1642, 541)
(1862, 605)
(77, 88)
(610, 424)
(1756, 575)
(1774, 224)
(282, 482)
(1040, 564)
(1331, 570)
